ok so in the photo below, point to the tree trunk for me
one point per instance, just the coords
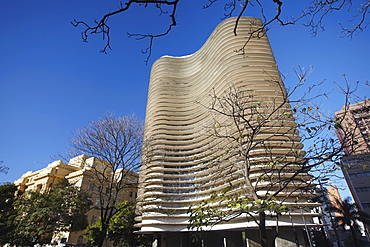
(355, 236)
(102, 235)
(262, 229)
(101, 241)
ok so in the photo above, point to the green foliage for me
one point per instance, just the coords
(40, 215)
(212, 211)
(121, 225)
(120, 228)
(93, 233)
(74, 204)
(7, 212)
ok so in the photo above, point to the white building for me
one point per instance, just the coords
(182, 166)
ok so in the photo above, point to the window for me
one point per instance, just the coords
(97, 203)
(92, 186)
(362, 189)
(94, 219)
(79, 239)
(131, 193)
(359, 174)
(92, 165)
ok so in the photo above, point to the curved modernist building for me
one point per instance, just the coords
(186, 159)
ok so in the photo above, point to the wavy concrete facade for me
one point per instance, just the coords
(179, 169)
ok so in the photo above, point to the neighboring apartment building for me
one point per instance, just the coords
(355, 131)
(180, 169)
(77, 172)
(355, 122)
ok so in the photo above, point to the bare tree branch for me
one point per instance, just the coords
(102, 27)
(115, 143)
(313, 16)
(261, 156)
(3, 168)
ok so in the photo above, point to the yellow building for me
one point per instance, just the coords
(79, 172)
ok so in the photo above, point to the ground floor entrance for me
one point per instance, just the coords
(287, 237)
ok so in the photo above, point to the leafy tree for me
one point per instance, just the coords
(116, 142)
(348, 214)
(121, 228)
(311, 13)
(93, 233)
(7, 212)
(40, 215)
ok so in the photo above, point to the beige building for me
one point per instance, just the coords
(355, 131)
(181, 168)
(334, 197)
(355, 122)
(78, 172)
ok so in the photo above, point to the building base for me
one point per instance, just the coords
(287, 237)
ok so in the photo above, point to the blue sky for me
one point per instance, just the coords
(51, 83)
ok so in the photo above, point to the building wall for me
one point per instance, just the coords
(355, 122)
(334, 197)
(355, 131)
(179, 167)
(356, 171)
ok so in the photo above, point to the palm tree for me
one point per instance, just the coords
(348, 214)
